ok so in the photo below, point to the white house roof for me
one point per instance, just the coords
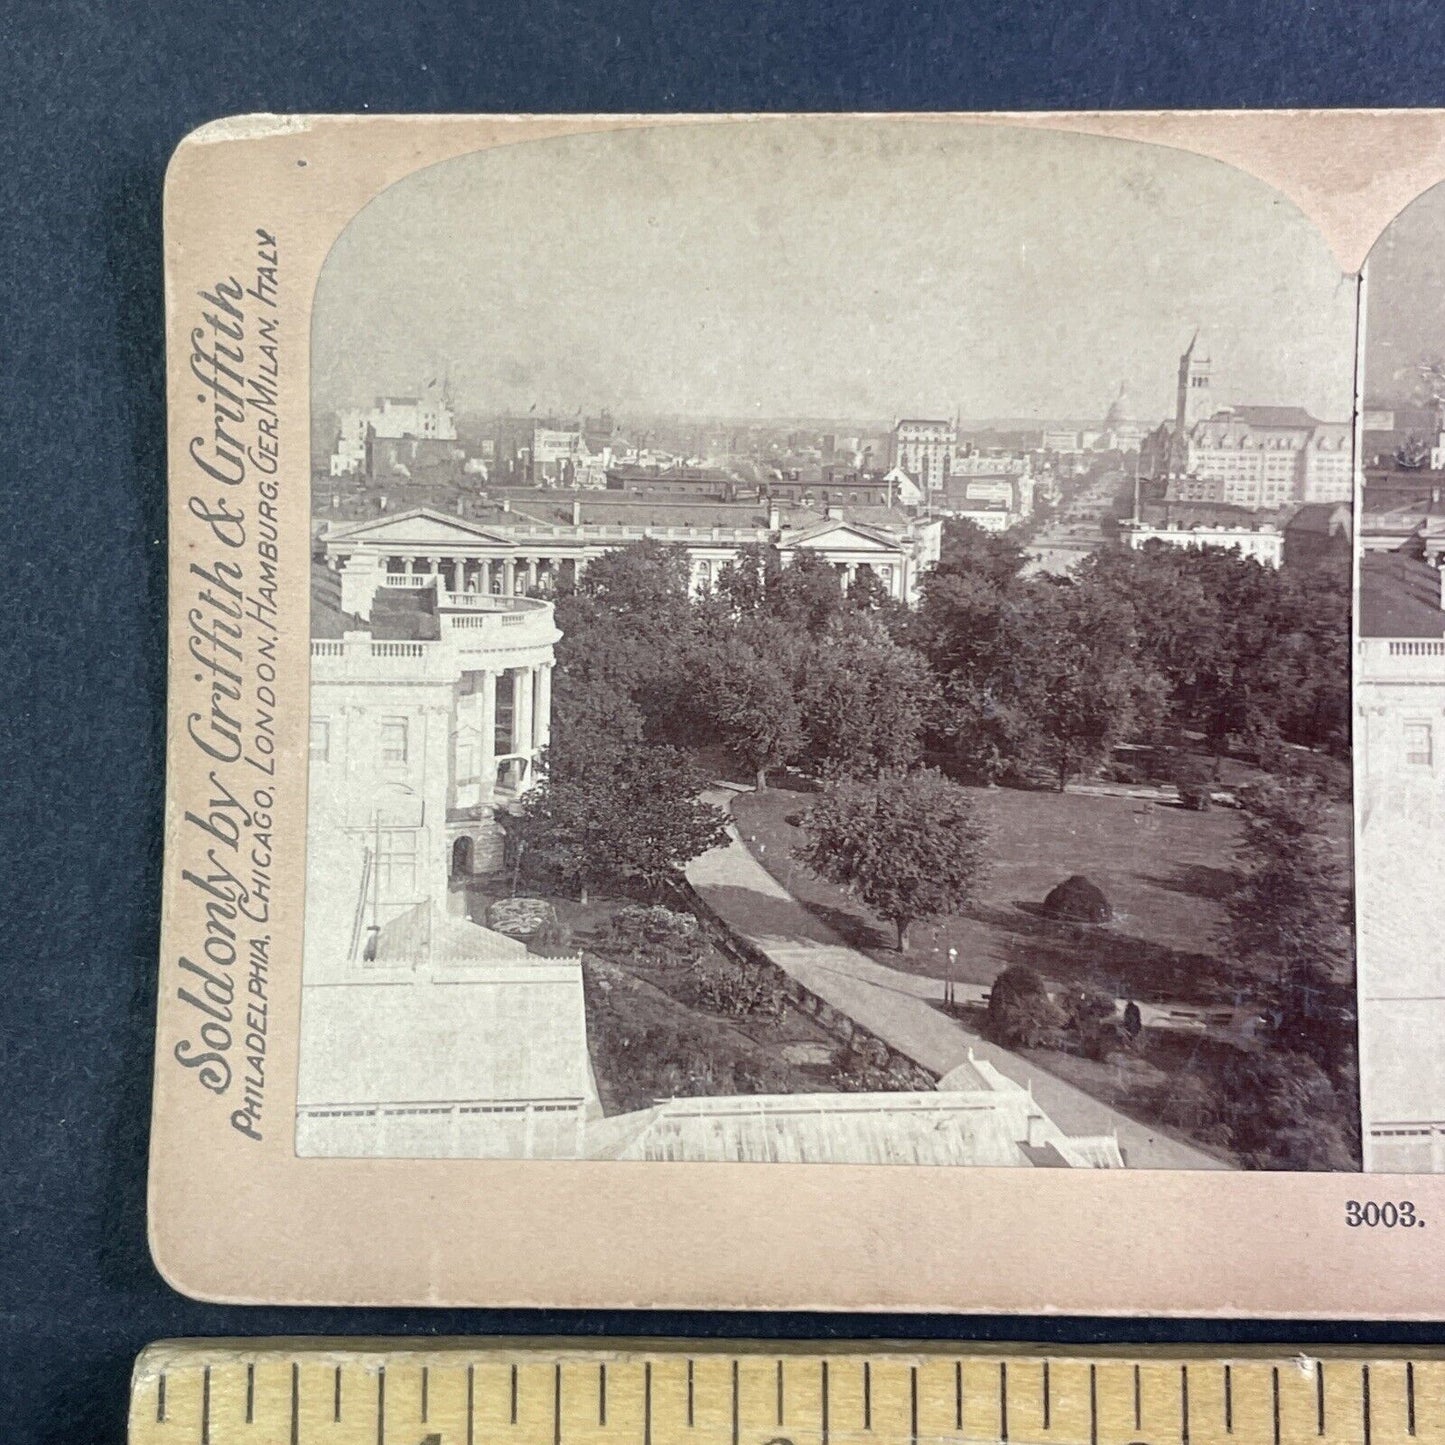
(840, 532)
(481, 1034)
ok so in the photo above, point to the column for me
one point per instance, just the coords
(410, 567)
(488, 764)
(531, 574)
(509, 577)
(522, 710)
(542, 717)
(850, 573)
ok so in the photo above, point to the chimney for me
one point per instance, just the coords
(381, 503)
(506, 504)
(1034, 1130)
(833, 513)
(774, 522)
(335, 500)
(461, 506)
(576, 511)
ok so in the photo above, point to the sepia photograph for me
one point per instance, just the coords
(831, 644)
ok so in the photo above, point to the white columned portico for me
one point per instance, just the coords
(542, 718)
(522, 710)
(489, 733)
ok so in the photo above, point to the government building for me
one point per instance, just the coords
(516, 544)
(1259, 457)
(1399, 747)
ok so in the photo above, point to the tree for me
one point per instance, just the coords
(1289, 922)
(1021, 1015)
(747, 700)
(910, 846)
(610, 812)
(1080, 683)
(865, 702)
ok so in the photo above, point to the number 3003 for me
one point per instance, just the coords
(1386, 1216)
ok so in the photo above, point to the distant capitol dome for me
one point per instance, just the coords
(1119, 413)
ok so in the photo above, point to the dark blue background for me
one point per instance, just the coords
(98, 95)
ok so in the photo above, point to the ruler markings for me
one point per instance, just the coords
(1265, 1403)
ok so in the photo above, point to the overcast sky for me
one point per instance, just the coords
(835, 268)
(1405, 306)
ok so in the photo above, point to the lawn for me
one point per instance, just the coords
(1166, 872)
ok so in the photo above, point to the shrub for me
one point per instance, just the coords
(1078, 901)
(864, 1066)
(1020, 1012)
(658, 936)
(738, 990)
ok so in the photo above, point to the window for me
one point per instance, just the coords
(320, 740)
(1417, 744)
(396, 867)
(393, 740)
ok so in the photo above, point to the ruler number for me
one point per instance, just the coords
(1387, 1215)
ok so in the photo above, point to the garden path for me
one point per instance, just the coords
(896, 1007)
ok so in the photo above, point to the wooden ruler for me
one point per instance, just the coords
(307, 1392)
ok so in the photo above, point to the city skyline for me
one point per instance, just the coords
(830, 269)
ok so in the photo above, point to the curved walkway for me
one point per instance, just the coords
(898, 1007)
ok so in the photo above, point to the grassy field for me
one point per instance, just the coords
(1165, 870)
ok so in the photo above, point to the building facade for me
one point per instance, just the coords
(925, 450)
(1258, 457)
(393, 418)
(1399, 750)
(1264, 545)
(515, 554)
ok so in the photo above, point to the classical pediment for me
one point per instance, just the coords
(843, 536)
(418, 528)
